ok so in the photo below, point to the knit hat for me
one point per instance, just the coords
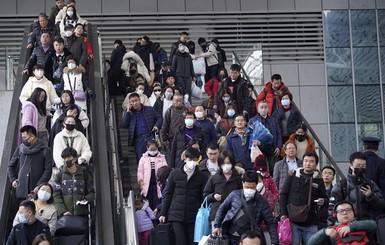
(260, 163)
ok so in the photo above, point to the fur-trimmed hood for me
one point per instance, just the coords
(134, 56)
(299, 171)
(140, 67)
(76, 70)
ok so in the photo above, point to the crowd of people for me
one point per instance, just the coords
(250, 157)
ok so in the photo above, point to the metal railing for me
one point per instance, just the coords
(10, 65)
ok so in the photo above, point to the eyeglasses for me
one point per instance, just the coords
(344, 211)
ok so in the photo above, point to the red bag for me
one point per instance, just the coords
(284, 232)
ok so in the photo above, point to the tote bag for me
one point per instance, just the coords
(202, 222)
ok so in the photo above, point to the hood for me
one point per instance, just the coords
(76, 71)
(134, 56)
(32, 149)
(299, 171)
(33, 79)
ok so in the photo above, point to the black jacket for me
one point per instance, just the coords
(375, 169)
(242, 100)
(217, 184)
(182, 197)
(116, 58)
(292, 122)
(39, 57)
(19, 234)
(182, 65)
(77, 47)
(54, 64)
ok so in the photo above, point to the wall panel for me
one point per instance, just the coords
(359, 4)
(333, 4)
(313, 104)
(166, 6)
(274, 5)
(140, 6)
(312, 74)
(115, 6)
(199, 5)
(308, 5)
(253, 5)
(289, 73)
(8, 7)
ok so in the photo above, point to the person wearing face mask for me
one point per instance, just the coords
(303, 142)
(75, 45)
(70, 137)
(244, 210)
(156, 93)
(149, 164)
(139, 89)
(206, 125)
(271, 149)
(43, 25)
(211, 86)
(132, 65)
(226, 122)
(164, 101)
(363, 193)
(183, 197)
(45, 210)
(222, 183)
(164, 72)
(72, 18)
(183, 137)
(29, 227)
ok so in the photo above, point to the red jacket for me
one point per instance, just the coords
(211, 87)
(268, 95)
(352, 233)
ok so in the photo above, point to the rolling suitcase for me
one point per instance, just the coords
(72, 240)
(217, 240)
(162, 234)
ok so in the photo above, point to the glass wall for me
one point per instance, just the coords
(355, 67)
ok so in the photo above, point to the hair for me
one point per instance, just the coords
(167, 87)
(226, 154)
(69, 152)
(37, 67)
(138, 76)
(71, 57)
(72, 107)
(34, 99)
(250, 176)
(66, 117)
(162, 174)
(41, 238)
(357, 155)
(58, 39)
(29, 129)
(132, 95)
(183, 33)
(201, 40)
(230, 106)
(43, 15)
(191, 47)
(342, 202)
(152, 142)
(301, 126)
(29, 205)
(118, 41)
(79, 24)
(329, 167)
(72, 99)
(212, 146)
(35, 195)
(74, 16)
(192, 153)
(284, 146)
(179, 89)
(235, 67)
(311, 154)
(222, 69)
(371, 145)
(240, 115)
(288, 94)
(146, 38)
(276, 77)
(252, 234)
(189, 113)
(140, 84)
(193, 142)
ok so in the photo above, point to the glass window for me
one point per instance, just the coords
(341, 104)
(381, 26)
(343, 139)
(364, 28)
(368, 103)
(336, 32)
(382, 53)
(338, 66)
(366, 65)
(375, 130)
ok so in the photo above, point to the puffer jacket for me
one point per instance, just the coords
(218, 184)
(70, 188)
(293, 120)
(76, 80)
(233, 204)
(39, 57)
(267, 94)
(141, 68)
(182, 197)
(144, 218)
(77, 47)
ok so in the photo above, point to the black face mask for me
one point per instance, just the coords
(359, 172)
(69, 163)
(132, 71)
(300, 138)
(70, 127)
(26, 143)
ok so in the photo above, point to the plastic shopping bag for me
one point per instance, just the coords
(196, 91)
(261, 133)
(284, 232)
(202, 222)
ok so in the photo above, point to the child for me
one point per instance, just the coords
(144, 218)
(149, 164)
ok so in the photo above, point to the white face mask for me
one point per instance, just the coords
(157, 93)
(262, 112)
(168, 95)
(259, 187)
(182, 49)
(152, 153)
(191, 165)
(199, 114)
(226, 167)
(43, 195)
(189, 122)
(70, 13)
(68, 33)
(71, 65)
(139, 91)
(39, 74)
(285, 102)
(249, 193)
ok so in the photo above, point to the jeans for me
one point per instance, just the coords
(302, 233)
(140, 146)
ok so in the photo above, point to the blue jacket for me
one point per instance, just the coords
(273, 127)
(19, 233)
(159, 57)
(233, 204)
(151, 117)
(375, 169)
(241, 151)
(208, 129)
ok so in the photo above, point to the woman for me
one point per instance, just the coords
(72, 18)
(161, 178)
(45, 210)
(41, 239)
(67, 99)
(223, 102)
(303, 141)
(221, 184)
(75, 80)
(227, 121)
(156, 93)
(79, 32)
(34, 113)
(164, 102)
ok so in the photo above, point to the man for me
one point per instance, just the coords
(160, 56)
(209, 166)
(272, 93)
(244, 210)
(75, 45)
(174, 47)
(211, 58)
(252, 238)
(206, 125)
(44, 26)
(145, 51)
(286, 166)
(238, 88)
(272, 149)
(375, 165)
(182, 198)
(141, 122)
(202, 43)
(29, 227)
(55, 10)
(115, 74)
(164, 72)
(34, 162)
(363, 193)
(346, 230)
(296, 191)
(40, 54)
(327, 173)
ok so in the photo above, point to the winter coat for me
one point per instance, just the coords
(296, 190)
(271, 190)
(55, 66)
(31, 116)
(62, 13)
(39, 57)
(34, 38)
(144, 218)
(233, 204)
(35, 167)
(145, 53)
(365, 206)
(43, 83)
(210, 135)
(242, 100)
(211, 56)
(144, 171)
(182, 65)
(375, 169)
(182, 197)
(292, 121)
(211, 87)
(172, 121)
(281, 171)
(240, 149)
(151, 117)
(19, 233)
(74, 139)
(66, 21)
(268, 94)
(179, 144)
(116, 58)
(57, 127)
(77, 47)
(76, 80)
(310, 144)
(159, 57)
(224, 126)
(82, 116)
(141, 68)
(174, 49)
(218, 184)
(70, 188)
(161, 77)
(272, 126)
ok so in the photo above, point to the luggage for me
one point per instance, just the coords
(71, 240)
(217, 240)
(71, 225)
(162, 234)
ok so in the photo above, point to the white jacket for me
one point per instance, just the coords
(142, 69)
(76, 140)
(75, 82)
(211, 55)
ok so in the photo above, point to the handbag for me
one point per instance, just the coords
(202, 222)
(300, 213)
(71, 225)
(217, 240)
(79, 95)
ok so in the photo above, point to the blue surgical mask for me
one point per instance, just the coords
(226, 99)
(43, 195)
(22, 218)
(285, 103)
(230, 113)
(189, 122)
